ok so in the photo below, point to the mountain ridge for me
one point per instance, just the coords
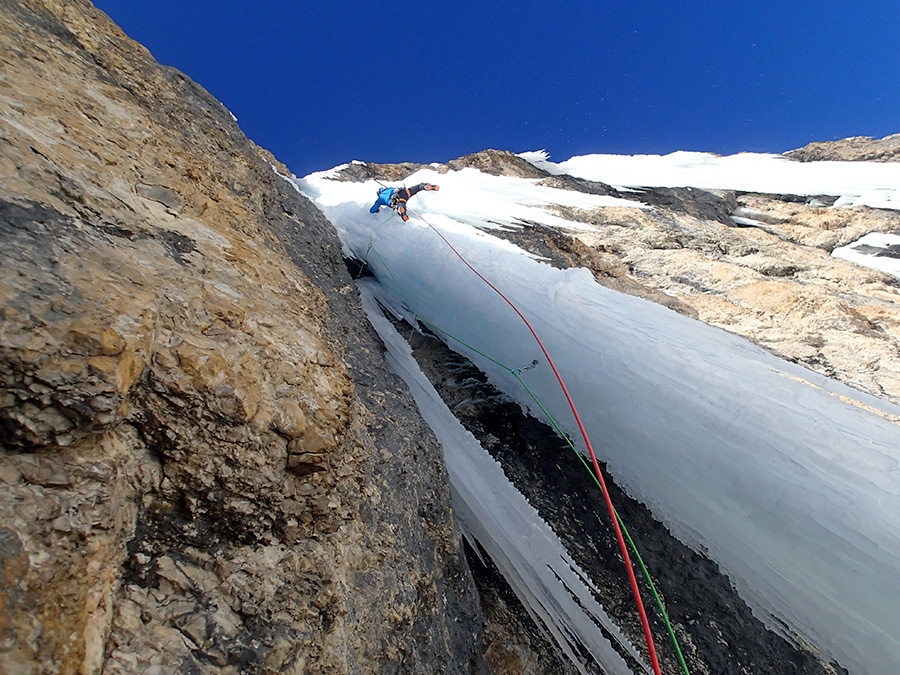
(853, 149)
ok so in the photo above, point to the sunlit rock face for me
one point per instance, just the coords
(857, 148)
(204, 463)
(768, 275)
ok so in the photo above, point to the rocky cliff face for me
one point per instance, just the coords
(767, 276)
(204, 465)
(857, 148)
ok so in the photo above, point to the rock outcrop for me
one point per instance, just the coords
(205, 465)
(855, 149)
(767, 276)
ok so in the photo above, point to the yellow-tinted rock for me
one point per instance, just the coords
(175, 399)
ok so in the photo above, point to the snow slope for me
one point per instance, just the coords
(790, 481)
(875, 184)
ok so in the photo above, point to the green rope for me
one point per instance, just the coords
(632, 545)
(516, 373)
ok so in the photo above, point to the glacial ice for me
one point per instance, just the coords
(790, 481)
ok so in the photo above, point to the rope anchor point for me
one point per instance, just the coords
(519, 371)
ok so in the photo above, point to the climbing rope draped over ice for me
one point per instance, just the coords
(674, 406)
(496, 518)
(648, 636)
(618, 526)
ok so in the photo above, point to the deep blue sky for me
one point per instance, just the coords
(320, 83)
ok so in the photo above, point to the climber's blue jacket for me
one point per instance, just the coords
(396, 198)
(384, 199)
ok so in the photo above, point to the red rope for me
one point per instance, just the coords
(609, 505)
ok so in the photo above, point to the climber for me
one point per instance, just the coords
(396, 198)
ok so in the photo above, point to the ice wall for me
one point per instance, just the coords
(493, 512)
(790, 481)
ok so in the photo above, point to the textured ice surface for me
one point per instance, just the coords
(790, 481)
(493, 512)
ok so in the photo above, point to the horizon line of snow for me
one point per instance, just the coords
(873, 184)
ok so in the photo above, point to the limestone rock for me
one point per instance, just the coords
(767, 276)
(498, 163)
(855, 149)
(194, 414)
(775, 283)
